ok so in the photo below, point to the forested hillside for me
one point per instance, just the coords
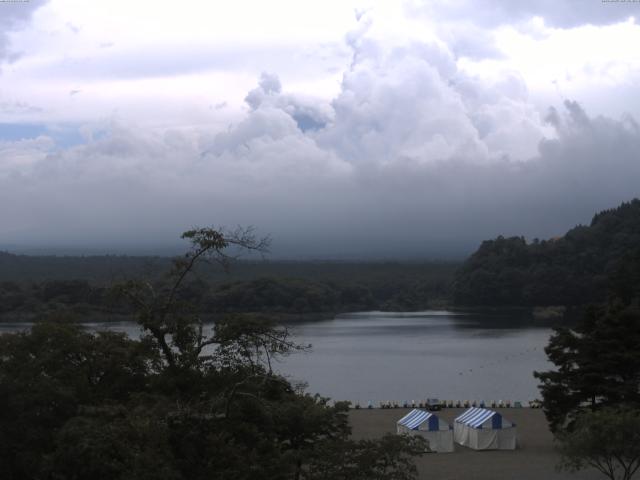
(582, 267)
(31, 287)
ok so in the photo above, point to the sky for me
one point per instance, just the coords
(342, 129)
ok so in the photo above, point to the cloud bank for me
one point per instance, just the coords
(412, 158)
(561, 14)
(14, 16)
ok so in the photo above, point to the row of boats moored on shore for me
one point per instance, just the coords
(436, 404)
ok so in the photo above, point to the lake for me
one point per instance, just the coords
(380, 356)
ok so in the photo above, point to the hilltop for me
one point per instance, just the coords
(583, 266)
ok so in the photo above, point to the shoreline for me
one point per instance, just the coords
(534, 458)
(97, 316)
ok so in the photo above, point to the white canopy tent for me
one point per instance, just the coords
(436, 431)
(483, 429)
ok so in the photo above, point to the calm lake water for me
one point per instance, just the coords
(375, 356)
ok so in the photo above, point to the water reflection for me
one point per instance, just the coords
(409, 356)
(383, 356)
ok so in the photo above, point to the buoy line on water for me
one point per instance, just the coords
(500, 362)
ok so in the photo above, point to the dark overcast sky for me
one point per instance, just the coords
(344, 129)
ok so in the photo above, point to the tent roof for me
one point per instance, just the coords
(475, 417)
(415, 418)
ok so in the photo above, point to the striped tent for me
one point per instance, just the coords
(484, 429)
(429, 426)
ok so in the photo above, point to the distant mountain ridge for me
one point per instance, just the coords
(96, 268)
(581, 267)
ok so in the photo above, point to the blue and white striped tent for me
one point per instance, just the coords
(435, 430)
(484, 429)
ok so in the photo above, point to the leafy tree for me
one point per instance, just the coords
(390, 458)
(624, 283)
(48, 374)
(111, 442)
(607, 440)
(598, 364)
(574, 269)
(169, 322)
(183, 402)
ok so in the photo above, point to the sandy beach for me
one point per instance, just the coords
(534, 459)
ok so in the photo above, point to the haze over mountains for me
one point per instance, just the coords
(587, 264)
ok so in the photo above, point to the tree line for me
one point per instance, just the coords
(272, 295)
(592, 397)
(584, 266)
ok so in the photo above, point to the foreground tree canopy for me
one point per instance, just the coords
(592, 398)
(607, 440)
(598, 364)
(181, 402)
